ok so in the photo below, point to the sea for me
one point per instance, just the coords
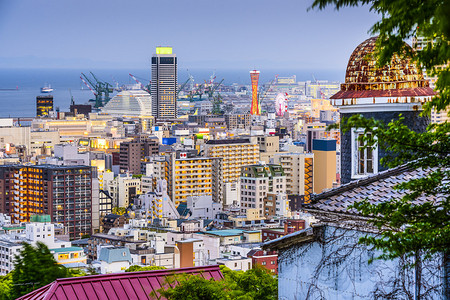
(19, 87)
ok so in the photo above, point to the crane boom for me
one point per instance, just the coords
(84, 81)
(145, 88)
(266, 91)
(182, 86)
(214, 88)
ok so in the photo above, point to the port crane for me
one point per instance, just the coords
(217, 101)
(263, 97)
(212, 88)
(100, 89)
(146, 88)
(322, 94)
(197, 92)
(183, 85)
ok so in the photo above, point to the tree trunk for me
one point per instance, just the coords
(446, 264)
(418, 271)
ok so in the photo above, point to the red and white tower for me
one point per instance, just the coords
(254, 75)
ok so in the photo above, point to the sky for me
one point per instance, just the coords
(226, 34)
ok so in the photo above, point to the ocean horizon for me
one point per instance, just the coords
(19, 87)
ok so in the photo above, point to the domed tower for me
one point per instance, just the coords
(380, 93)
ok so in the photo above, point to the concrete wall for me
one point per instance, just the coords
(339, 270)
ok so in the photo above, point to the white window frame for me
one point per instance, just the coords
(355, 153)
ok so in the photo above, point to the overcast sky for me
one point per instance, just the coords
(222, 34)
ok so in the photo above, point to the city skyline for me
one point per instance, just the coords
(249, 34)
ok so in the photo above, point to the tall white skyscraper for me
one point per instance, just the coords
(164, 83)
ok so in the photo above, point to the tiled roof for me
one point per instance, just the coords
(376, 188)
(119, 286)
(115, 254)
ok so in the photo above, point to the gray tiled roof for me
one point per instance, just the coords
(376, 189)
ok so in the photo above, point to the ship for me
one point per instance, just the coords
(46, 89)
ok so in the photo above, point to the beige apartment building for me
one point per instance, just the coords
(191, 177)
(235, 153)
(268, 146)
(298, 167)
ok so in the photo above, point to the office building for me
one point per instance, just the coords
(44, 105)
(63, 192)
(164, 83)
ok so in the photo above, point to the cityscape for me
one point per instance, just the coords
(173, 186)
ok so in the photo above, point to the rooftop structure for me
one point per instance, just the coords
(364, 79)
(382, 93)
(129, 103)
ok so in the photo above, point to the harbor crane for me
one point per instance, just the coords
(216, 102)
(146, 88)
(212, 88)
(101, 90)
(263, 97)
(182, 86)
(197, 92)
(322, 94)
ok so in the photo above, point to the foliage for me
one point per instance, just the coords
(119, 210)
(136, 268)
(5, 287)
(35, 267)
(407, 225)
(255, 283)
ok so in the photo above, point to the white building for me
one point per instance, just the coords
(157, 204)
(257, 181)
(203, 207)
(121, 188)
(136, 103)
(11, 244)
(113, 260)
(236, 263)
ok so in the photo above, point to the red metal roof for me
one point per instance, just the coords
(120, 286)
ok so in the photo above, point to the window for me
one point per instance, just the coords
(364, 160)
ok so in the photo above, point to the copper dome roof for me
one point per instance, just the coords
(364, 79)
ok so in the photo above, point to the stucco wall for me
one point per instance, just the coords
(339, 269)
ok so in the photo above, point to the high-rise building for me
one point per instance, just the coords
(257, 181)
(44, 105)
(133, 153)
(63, 192)
(235, 154)
(191, 176)
(298, 167)
(164, 83)
(382, 93)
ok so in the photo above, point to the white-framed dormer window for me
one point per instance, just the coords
(364, 160)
